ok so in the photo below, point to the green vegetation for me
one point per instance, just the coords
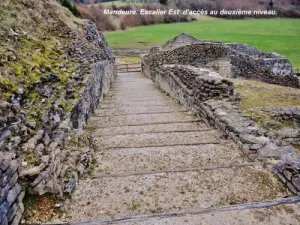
(259, 94)
(70, 6)
(128, 59)
(163, 2)
(279, 35)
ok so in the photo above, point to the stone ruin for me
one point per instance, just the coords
(230, 60)
(196, 74)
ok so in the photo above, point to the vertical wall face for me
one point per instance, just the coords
(11, 194)
(102, 73)
(248, 62)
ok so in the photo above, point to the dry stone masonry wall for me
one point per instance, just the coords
(212, 96)
(290, 114)
(11, 192)
(49, 153)
(230, 60)
(248, 62)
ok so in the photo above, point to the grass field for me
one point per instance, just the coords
(279, 35)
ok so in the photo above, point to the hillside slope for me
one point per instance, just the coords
(54, 69)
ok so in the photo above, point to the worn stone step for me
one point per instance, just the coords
(138, 101)
(141, 119)
(111, 197)
(151, 128)
(134, 94)
(130, 160)
(286, 214)
(155, 139)
(137, 110)
(141, 88)
(122, 99)
(134, 84)
(137, 104)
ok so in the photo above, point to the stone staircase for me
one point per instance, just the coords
(157, 163)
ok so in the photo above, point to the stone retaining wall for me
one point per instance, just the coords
(248, 62)
(290, 114)
(198, 84)
(53, 150)
(70, 148)
(221, 112)
(11, 192)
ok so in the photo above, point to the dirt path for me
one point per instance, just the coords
(159, 164)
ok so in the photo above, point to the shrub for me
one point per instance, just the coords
(70, 6)
(163, 2)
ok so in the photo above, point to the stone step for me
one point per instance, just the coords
(131, 160)
(286, 214)
(151, 128)
(122, 99)
(141, 88)
(136, 104)
(144, 93)
(155, 139)
(111, 197)
(142, 119)
(133, 84)
(137, 101)
(137, 110)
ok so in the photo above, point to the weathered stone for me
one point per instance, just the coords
(251, 139)
(13, 194)
(292, 187)
(46, 139)
(5, 135)
(32, 171)
(288, 174)
(40, 148)
(31, 124)
(296, 182)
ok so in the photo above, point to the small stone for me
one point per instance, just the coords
(40, 148)
(292, 187)
(32, 171)
(5, 135)
(46, 139)
(296, 182)
(288, 174)
(31, 124)
(20, 91)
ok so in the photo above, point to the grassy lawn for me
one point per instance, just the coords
(127, 59)
(258, 94)
(279, 35)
